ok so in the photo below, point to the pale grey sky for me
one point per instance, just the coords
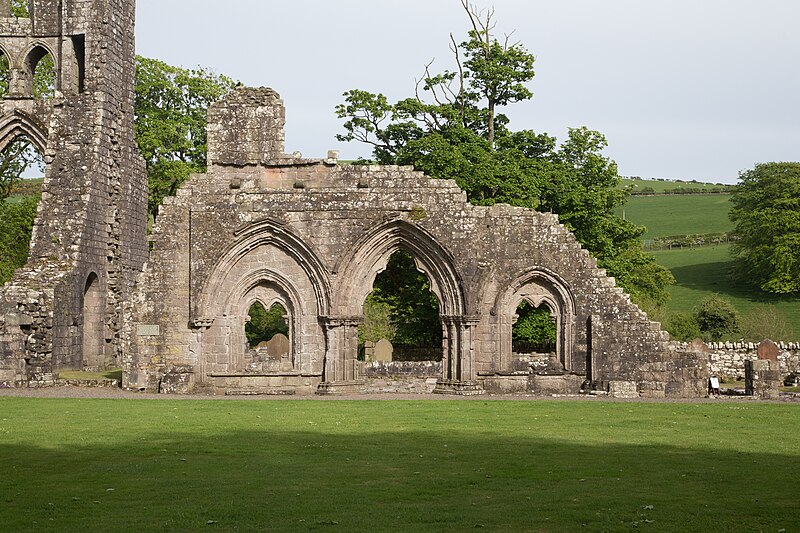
(683, 89)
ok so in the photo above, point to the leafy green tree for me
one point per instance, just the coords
(16, 219)
(766, 212)
(170, 126)
(19, 8)
(535, 331)
(264, 325)
(717, 318)
(683, 327)
(414, 309)
(15, 159)
(457, 133)
(44, 78)
(377, 322)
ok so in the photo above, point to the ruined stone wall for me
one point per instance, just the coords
(314, 234)
(727, 359)
(91, 222)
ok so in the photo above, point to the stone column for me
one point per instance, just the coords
(342, 372)
(457, 368)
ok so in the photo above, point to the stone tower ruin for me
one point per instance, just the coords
(64, 309)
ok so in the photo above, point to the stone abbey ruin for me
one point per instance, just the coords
(264, 226)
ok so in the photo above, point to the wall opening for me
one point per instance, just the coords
(21, 171)
(5, 74)
(534, 334)
(268, 334)
(79, 45)
(263, 325)
(93, 325)
(42, 71)
(402, 309)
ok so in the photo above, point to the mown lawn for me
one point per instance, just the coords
(666, 216)
(705, 270)
(204, 465)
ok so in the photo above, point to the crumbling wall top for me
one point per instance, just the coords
(247, 128)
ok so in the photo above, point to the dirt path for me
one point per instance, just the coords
(120, 394)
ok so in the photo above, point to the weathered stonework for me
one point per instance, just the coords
(312, 235)
(63, 310)
(266, 226)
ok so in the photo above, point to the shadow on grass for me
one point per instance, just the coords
(716, 277)
(263, 480)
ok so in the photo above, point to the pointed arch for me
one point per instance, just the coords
(267, 232)
(20, 124)
(538, 286)
(356, 271)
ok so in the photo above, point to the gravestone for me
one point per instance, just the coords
(768, 351)
(384, 351)
(278, 347)
(697, 346)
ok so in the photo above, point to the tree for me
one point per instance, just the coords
(457, 133)
(16, 219)
(766, 214)
(263, 324)
(17, 157)
(170, 126)
(717, 318)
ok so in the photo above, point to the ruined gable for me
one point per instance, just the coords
(312, 234)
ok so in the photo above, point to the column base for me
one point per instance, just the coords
(329, 388)
(459, 388)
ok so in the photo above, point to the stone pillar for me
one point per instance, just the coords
(762, 378)
(342, 369)
(457, 365)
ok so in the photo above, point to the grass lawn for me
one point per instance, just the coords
(666, 216)
(204, 465)
(704, 270)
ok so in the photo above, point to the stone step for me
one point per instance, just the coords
(260, 392)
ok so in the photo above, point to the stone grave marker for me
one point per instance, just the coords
(768, 351)
(383, 351)
(278, 347)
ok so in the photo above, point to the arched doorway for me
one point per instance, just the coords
(356, 274)
(402, 309)
(93, 325)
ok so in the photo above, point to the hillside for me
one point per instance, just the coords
(672, 215)
(662, 186)
(701, 270)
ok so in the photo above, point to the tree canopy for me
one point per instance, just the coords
(452, 128)
(170, 127)
(766, 212)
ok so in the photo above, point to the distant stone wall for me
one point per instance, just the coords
(727, 359)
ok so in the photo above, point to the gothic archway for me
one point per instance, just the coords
(541, 289)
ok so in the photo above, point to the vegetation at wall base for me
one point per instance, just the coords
(110, 465)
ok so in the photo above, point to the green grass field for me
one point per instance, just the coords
(204, 465)
(705, 270)
(661, 186)
(666, 216)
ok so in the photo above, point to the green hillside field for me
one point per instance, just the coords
(670, 215)
(706, 270)
(661, 186)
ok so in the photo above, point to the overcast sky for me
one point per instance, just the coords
(682, 89)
